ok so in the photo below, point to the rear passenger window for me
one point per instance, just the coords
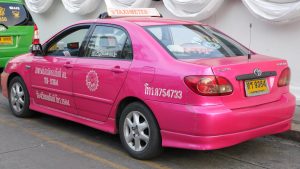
(12, 14)
(109, 42)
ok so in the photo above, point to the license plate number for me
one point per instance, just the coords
(256, 87)
(6, 40)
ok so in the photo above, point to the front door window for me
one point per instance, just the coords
(68, 45)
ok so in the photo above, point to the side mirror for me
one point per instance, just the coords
(37, 49)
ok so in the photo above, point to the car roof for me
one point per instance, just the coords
(152, 21)
(144, 21)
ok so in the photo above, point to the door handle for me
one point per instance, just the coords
(27, 67)
(117, 69)
(68, 65)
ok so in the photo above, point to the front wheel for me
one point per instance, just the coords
(19, 98)
(139, 132)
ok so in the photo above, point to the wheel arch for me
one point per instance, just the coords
(126, 101)
(11, 76)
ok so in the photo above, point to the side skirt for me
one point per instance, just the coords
(108, 126)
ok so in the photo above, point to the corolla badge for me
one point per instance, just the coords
(257, 72)
(92, 80)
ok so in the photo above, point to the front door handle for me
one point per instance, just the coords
(117, 69)
(68, 65)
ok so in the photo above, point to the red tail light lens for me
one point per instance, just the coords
(36, 37)
(284, 78)
(209, 85)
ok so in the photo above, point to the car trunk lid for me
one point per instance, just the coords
(15, 35)
(240, 72)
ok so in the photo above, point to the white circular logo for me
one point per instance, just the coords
(92, 80)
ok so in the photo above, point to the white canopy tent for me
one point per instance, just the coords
(38, 6)
(275, 11)
(193, 9)
(128, 3)
(81, 7)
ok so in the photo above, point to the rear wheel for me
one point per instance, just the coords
(19, 98)
(139, 132)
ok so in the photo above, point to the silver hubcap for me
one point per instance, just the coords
(136, 131)
(17, 97)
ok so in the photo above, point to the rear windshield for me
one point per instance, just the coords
(12, 14)
(196, 41)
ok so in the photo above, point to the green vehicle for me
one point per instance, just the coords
(16, 30)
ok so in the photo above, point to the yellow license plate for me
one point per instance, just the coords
(6, 40)
(256, 87)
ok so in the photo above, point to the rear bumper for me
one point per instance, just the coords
(193, 142)
(213, 127)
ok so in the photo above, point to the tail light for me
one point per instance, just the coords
(36, 37)
(284, 78)
(209, 85)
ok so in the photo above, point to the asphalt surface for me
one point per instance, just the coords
(46, 142)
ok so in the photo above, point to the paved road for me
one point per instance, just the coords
(297, 115)
(45, 142)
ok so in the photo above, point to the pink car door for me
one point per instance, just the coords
(51, 75)
(99, 75)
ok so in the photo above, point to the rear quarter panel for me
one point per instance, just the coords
(156, 76)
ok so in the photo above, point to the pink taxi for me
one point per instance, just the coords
(156, 82)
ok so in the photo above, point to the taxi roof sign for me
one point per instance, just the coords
(133, 12)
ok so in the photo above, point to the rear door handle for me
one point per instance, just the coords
(68, 65)
(117, 69)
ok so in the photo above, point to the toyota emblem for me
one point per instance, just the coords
(257, 72)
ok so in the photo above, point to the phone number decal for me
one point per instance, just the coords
(162, 92)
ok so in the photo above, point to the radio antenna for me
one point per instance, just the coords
(250, 40)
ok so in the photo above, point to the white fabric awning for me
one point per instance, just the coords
(276, 11)
(81, 7)
(38, 6)
(193, 9)
(128, 3)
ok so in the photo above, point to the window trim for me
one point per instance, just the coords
(63, 34)
(158, 41)
(107, 25)
(29, 20)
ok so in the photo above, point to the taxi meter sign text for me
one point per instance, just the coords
(133, 12)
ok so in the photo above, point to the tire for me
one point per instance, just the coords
(18, 98)
(137, 131)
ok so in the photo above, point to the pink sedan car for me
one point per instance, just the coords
(156, 82)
